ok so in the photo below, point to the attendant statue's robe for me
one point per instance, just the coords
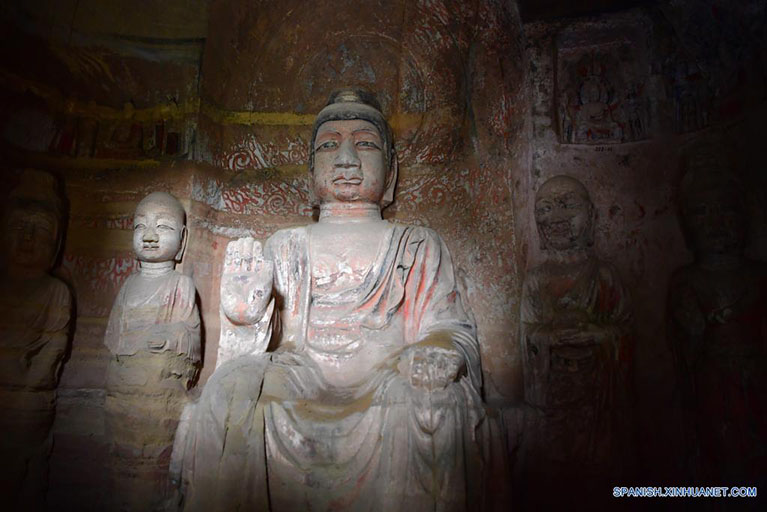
(326, 421)
(719, 339)
(34, 332)
(579, 391)
(154, 338)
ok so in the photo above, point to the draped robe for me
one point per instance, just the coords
(326, 421)
(34, 331)
(580, 392)
(154, 338)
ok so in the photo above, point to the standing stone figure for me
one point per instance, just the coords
(574, 322)
(154, 340)
(368, 397)
(35, 314)
(718, 312)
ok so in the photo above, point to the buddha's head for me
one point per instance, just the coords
(352, 157)
(159, 230)
(713, 209)
(32, 225)
(564, 214)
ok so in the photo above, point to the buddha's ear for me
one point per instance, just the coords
(180, 253)
(391, 180)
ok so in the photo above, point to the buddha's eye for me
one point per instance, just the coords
(165, 227)
(367, 144)
(327, 145)
(138, 226)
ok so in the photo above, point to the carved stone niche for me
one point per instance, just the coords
(600, 85)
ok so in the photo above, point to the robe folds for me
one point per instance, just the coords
(154, 338)
(326, 421)
(579, 431)
(34, 332)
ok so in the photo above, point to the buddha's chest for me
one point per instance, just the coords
(342, 258)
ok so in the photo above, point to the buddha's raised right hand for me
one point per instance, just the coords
(246, 282)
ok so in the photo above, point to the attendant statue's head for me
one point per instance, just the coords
(352, 159)
(564, 214)
(712, 205)
(32, 225)
(159, 230)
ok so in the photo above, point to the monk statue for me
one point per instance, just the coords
(575, 348)
(35, 315)
(718, 313)
(153, 336)
(350, 377)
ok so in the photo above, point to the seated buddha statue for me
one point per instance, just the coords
(348, 374)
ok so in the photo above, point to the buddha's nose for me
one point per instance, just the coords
(150, 235)
(347, 156)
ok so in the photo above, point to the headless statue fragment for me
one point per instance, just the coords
(34, 332)
(368, 398)
(154, 338)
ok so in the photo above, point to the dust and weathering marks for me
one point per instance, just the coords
(99, 273)
(253, 154)
(274, 198)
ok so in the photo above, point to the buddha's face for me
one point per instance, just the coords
(716, 221)
(31, 239)
(349, 162)
(563, 213)
(158, 231)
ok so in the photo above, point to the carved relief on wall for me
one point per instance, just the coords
(718, 315)
(35, 319)
(576, 348)
(601, 96)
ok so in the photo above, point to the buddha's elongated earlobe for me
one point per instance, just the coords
(391, 180)
(180, 253)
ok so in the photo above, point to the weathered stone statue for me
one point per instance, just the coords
(368, 395)
(154, 338)
(575, 345)
(718, 310)
(35, 314)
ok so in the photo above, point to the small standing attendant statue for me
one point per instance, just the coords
(368, 398)
(718, 311)
(35, 314)
(574, 319)
(154, 340)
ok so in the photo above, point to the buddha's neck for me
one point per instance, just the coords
(349, 212)
(156, 268)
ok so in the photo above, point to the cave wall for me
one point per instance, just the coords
(671, 76)
(213, 101)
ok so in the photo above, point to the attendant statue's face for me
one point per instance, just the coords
(715, 220)
(564, 214)
(158, 229)
(31, 239)
(349, 163)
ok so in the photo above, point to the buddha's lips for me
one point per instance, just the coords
(150, 247)
(559, 228)
(341, 180)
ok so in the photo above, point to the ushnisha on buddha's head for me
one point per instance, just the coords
(352, 157)
(564, 214)
(32, 225)
(159, 231)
